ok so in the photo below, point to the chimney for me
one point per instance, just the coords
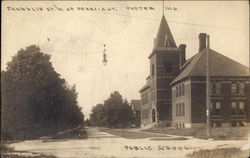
(202, 41)
(182, 54)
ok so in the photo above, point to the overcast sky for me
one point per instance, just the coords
(76, 39)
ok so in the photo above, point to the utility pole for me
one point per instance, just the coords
(208, 88)
(163, 7)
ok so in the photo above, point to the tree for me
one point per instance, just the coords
(114, 113)
(87, 123)
(97, 116)
(36, 101)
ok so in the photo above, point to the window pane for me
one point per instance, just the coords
(183, 109)
(180, 90)
(218, 105)
(233, 88)
(176, 109)
(233, 105)
(242, 105)
(241, 88)
(183, 89)
(179, 109)
(234, 108)
(218, 88)
(177, 90)
(217, 110)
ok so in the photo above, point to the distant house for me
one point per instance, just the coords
(136, 104)
(175, 92)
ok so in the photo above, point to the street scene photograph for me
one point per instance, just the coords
(125, 79)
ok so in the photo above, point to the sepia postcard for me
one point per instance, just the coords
(125, 79)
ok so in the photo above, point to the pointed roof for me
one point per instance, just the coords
(220, 65)
(164, 36)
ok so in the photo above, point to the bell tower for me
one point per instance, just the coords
(166, 60)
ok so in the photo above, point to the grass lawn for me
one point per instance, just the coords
(128, 134)
(220, 153)
(7, 152)
(139, 135)
(229, 133)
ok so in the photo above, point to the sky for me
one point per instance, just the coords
(75, 38)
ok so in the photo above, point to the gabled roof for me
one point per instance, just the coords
(164, 36)
(136, 104)
(220, 65)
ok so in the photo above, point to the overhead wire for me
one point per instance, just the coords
(173, 21)
(140, 17)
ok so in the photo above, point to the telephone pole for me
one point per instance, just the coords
(163, 7)
(208, 89)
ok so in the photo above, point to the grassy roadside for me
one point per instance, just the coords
(127, 134)
(8, 152)
(220, 153)
(124, 133)
(236, 133)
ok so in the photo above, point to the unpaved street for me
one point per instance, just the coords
(101, 144)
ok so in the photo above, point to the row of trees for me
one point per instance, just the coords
(114, 113)
(36, 101)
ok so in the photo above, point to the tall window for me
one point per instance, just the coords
(177, 91)
(177, 109)
(233, 88)
(218, 88)
(180, 90)
(241, 88)
(234, 108)
(180, 109)
(183, 89)
(241, 108)
(183, 109)
(238, 108)
(216, 108)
